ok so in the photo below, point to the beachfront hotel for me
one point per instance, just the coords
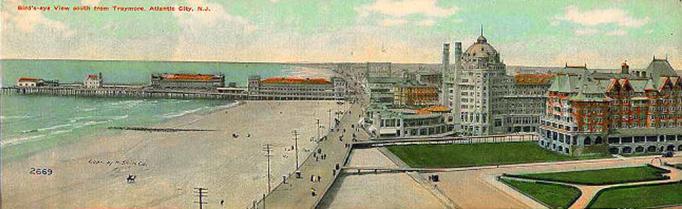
(637, 111)
(335, 88)
(485, 100)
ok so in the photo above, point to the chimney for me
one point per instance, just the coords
(458, 54)
(624, 68)
(444, 74)
(446, 57)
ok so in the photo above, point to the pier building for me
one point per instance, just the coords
(28, 82)
(187, 81)
(630, 112)
(93, 81)
(297, 87)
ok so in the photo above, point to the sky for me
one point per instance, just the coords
(598, 33)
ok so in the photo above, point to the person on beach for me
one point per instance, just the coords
(312, 178)
(319, 178)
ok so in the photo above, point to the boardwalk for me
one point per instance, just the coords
(297, 193)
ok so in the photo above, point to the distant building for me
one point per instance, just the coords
(29, 82)
(187, 81)
(407, 94)
(297, 87)
(632, 112)
(26, 82)
(93, 81)
(429, 78)
(380, 89)
(382, 121)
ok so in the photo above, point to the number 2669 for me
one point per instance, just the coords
(41, 171)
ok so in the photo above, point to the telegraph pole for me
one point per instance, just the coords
(330, 119)
(318, 129)
(296, 147)
(267, 148)
(201, 193)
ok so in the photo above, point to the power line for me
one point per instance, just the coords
(201, 193)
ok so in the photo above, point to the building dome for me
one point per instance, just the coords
(481, 49)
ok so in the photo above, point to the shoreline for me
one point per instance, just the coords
(231, 167)
(95, 133)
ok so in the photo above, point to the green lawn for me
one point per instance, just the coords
(602, 176)
(466, 155)
(640, 196)
(555, 196)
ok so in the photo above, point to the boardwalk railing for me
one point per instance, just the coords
(525, 137)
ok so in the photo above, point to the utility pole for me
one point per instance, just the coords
(201, 193)
(268, 148)
(318, 129)
(296, 147)
(330, 120)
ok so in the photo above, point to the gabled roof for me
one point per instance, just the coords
(660, 67)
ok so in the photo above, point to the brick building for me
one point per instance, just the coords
(621, 113)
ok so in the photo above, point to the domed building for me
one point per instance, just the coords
(484, 100)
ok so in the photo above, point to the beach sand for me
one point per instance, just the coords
(168, 165)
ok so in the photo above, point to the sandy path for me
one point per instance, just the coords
(387, 190)
(232, 169)
(480, 189)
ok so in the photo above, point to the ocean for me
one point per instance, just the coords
(32, 123)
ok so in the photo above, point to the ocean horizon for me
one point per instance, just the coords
(33, 123)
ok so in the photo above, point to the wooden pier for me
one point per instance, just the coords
(123, 92)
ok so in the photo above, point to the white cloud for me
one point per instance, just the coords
(90, 2)
(589, 20)
(426, 22)
(619, 32)
(601, 16)
(401, 8)
(586, 31)
(203, 30)
(393, 22)
(394, 11)
(28, 21)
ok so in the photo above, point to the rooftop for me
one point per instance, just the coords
(533, 79)
(290, 80)
(28, 79)
(201, 77)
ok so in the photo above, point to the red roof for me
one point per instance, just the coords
(431, 109)
(533, 79)
(285, 80)
(27, 79)
(188, 77)
(92, 76)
